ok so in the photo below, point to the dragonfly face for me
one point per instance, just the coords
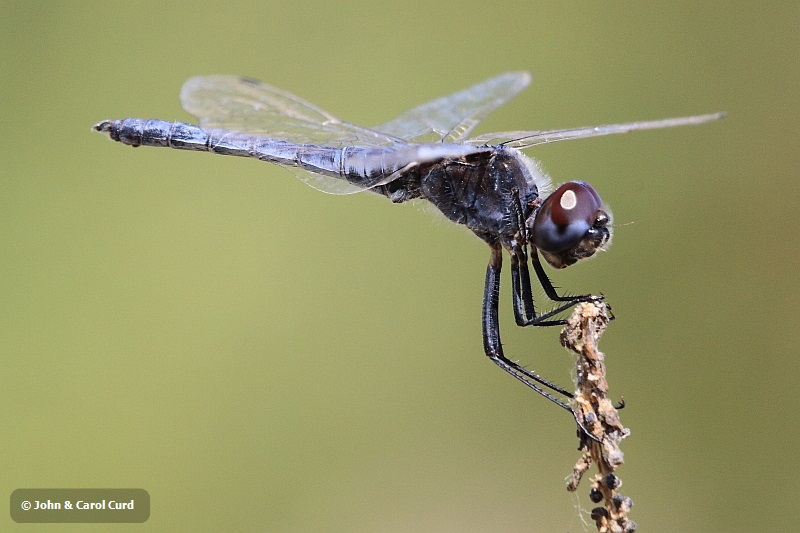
(572, 224)
(483, 182)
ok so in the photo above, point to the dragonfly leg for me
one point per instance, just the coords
(524, 309)
(494, 348)
(491, 337)
(550, 291)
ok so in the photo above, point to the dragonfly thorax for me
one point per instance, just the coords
(484, 191)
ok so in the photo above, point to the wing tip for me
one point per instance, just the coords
(700, 119)
(523, 77)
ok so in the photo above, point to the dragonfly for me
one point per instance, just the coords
(483, 182)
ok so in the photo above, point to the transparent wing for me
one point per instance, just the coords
(451, 118)
(323, 183)
(250, 106)
(371, 167)
(525, 139)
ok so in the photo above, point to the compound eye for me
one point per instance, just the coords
(567, 216)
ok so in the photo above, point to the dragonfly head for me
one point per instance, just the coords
(571, 224)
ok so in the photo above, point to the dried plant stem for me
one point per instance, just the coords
(599, 416)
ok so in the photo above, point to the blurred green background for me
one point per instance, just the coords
(263, 357)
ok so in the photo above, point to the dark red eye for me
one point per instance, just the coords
(567, 217)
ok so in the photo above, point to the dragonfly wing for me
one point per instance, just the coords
(451, 118)
(249, 106)
(357, 168)
(525, 139)
(324, 183)
(324, 168)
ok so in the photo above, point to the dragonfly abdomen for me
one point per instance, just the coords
(363, 167)
(183, 136)
(154, 132)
